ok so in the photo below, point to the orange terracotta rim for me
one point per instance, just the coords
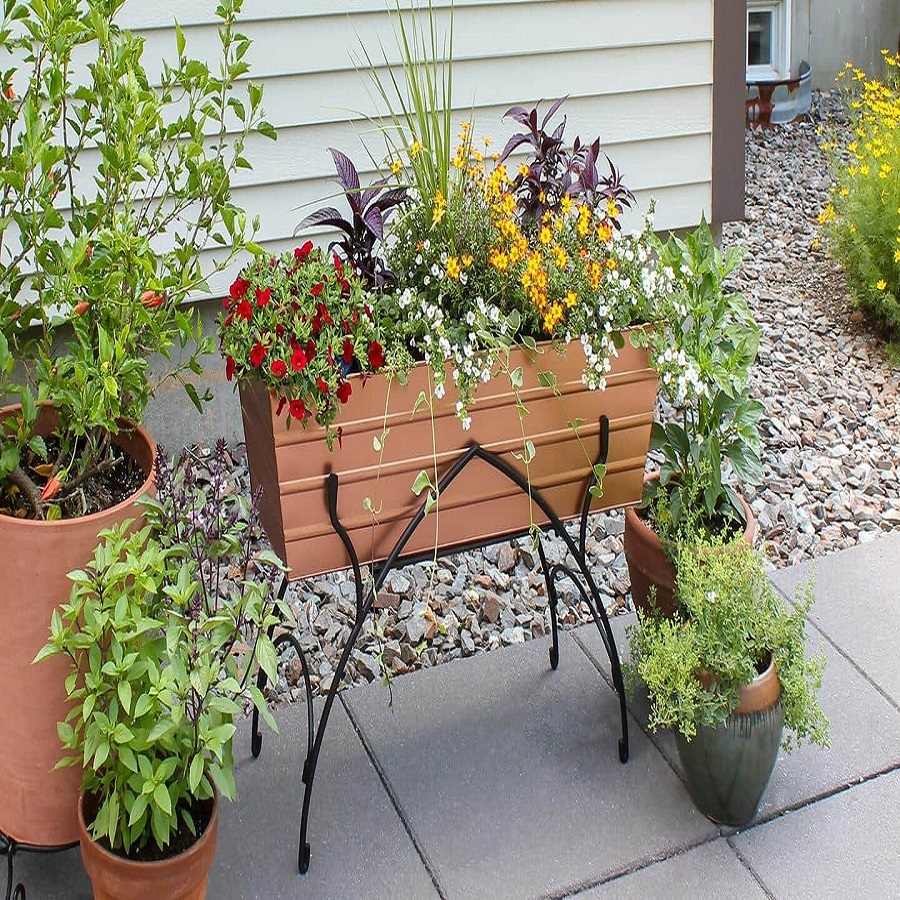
(759, 695)
(127, 427)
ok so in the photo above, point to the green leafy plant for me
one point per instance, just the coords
(703, 346)
(111, 188)
(164, 628)
(861, 221)
(729, 620)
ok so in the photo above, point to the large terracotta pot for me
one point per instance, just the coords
(181, 877)
(728, 768)
(291, 464)
(37, 804)
(648, 564)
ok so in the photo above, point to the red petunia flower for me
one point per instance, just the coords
(322, 384)
(316, 326)
(239, 287)
(263, 297)
(310, 349)
(300, 253)
(229, 368)
(298, 360)
(298, 409)
(229, 319)
(257, 354)
(347, 352)
(279, 330)
(279, 368)
(280, 408)
(344, 391)
(376, 355)
(244, 311)
(316, 289)
(337, 265)
(324, 315)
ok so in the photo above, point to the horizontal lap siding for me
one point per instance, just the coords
(638, 72)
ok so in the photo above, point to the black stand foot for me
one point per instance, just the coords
(9, 847)
(580, 576)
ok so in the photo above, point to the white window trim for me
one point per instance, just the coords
(781, 40)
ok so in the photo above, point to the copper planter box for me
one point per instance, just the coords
(292, 464)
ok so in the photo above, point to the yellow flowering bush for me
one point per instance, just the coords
(861, 221)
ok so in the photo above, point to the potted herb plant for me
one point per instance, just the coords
(703, 346)
(500, 294)
(161, 634)
(727, 671)
(110, 193)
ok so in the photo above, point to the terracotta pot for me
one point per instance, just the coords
(648, 564)
(728, 768)
(291, 464)
(37, 804)
(181, 877)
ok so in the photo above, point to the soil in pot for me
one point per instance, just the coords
(728, 768)
(648, 564)
(181, 874)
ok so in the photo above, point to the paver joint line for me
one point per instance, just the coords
(395, 802)
(753, 874)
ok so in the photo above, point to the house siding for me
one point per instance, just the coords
(638, 72)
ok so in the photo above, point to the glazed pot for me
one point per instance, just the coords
(728, 768)
(648, 564)
(37, 804)
(181, 877)
(291, 465)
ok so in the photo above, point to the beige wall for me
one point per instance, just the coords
(829, 32)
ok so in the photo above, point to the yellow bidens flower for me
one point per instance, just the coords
(827, 215)
(570, 299)
(583, 225)
(566, 204)
(881, 284)
(453, 268)
(396, 167)
(415, 149)
(604, 232)
(523, 170)
(438, 209)
(545, 235)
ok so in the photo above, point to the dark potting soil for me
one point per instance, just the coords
(201, 812)
(95, 494)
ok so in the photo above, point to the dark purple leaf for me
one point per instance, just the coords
(348, 177)
(374, 222)
(552, 110)
(519, 113)
(515, 141)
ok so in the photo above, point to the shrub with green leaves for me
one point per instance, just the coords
(862, 220)
(728, 620)
(704, 344)
(165, 628)
(112, 185)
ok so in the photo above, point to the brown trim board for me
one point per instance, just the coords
(728, 112)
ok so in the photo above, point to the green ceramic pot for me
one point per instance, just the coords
(727, 768)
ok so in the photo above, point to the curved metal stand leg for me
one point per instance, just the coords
(552, 603)
(8, 848)
(261, 680)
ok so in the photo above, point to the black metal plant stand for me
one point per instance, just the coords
(365, 599)
(9, 847)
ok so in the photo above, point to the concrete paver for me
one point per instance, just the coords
(508, 774)
(843, 846)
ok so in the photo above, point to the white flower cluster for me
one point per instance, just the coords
(680, 376)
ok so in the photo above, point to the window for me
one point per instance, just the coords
(768, 40)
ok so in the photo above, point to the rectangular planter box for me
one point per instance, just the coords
(291, 465)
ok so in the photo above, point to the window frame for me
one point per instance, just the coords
(780, 69)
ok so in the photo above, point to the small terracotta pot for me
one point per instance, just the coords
(37, 804)
(181, 877)
(647, 561)
(728, 768)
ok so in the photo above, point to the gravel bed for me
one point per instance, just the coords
(831, 453)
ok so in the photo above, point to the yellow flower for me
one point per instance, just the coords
(438, 209)
(897, 256)
(611, 209)
(560, 257)
(415, 149)
(864, 169)
(467, 260)
(453, 267)
(604, 232)
(396, 167)
(571, 299)
(881, 284)
(498, 260)
(815, 243)
(523, 170)
(545, 235)
(566, 204)
(845, 192)
(488, 140)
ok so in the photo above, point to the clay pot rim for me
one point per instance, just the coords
(145, 488)
(158, 865)
(757, 695)
(649, 534)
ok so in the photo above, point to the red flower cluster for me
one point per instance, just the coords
(306, 334)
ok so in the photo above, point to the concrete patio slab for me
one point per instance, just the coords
(359, 847)
(865, 728)
(858, 605)
(508, 774)
(708, 872)
(843, 846)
